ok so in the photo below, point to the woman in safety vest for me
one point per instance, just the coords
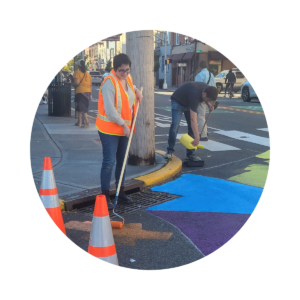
(116, 108)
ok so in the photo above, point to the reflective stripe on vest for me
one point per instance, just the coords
(104, 118)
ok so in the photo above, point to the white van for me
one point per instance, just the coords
(220, 80)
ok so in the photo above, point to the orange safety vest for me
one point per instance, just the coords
(103, 124)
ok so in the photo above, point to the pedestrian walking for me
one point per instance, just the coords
(186, 100)
(117, 103)
(208, 78)
(82, 81)
(230, 79)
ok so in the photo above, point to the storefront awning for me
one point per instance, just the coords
(215, 55)
(188, 55)
(177, 56)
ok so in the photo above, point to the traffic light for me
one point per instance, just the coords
(168, 61)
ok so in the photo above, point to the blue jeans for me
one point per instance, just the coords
(114, 148)
(177, 111)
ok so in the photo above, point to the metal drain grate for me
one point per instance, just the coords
(141, 200)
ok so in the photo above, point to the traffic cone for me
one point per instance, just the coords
(101, 242)
(49, 196)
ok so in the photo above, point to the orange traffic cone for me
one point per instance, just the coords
(101, 242)
(49, 196)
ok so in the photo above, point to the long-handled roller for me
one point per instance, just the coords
(116, 224)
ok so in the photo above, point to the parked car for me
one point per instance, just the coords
(96, 77)
(247, 92)
(220, 80)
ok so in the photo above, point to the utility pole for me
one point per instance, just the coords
(165, 86)
(194, 69)
(139, 48)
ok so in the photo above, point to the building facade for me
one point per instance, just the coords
(186, 54)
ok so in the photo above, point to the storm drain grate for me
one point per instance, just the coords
(141, 200)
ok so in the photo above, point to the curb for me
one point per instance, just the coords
(173, 167)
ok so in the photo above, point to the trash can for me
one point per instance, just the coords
(59, 99)
(160, 83)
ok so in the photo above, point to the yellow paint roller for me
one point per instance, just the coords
(186, 141)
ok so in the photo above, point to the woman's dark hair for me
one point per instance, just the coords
(230, 71)
(121, 59)
(82, 66)
(211, 92)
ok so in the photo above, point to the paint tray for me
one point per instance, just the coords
(190, 163)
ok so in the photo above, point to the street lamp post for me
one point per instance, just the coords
(165, 86)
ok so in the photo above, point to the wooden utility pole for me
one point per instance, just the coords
(139, 48)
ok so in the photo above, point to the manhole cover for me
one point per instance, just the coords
(141, 201)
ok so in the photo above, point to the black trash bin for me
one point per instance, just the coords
(59, 99)
(160, 83)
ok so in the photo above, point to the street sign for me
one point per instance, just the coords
(181, 64)
(199, 51)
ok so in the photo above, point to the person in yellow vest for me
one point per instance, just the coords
(82, 81)
(117, 104)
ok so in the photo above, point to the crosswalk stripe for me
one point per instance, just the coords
(242, 136)
(213, 145)
(263, 129)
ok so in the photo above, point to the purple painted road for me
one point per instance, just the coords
(207, 230)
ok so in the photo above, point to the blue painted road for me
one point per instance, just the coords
(210, 212)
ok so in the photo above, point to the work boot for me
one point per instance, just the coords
(192, 157)
(122, 198)
(106, 194)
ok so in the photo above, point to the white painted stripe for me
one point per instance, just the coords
(162, 125)
(213, 146)
(111, 259)
(101, 232)
(48, 180)
(161, 135)
(50, 201)
(243, 136)
(263, 129)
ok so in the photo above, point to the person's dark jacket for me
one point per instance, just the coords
(230, 77)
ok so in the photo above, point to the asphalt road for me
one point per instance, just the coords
(236, 133)
(214, 201)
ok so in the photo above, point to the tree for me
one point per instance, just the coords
(108, 67)
(139, 48)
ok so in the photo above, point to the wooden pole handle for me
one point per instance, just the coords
(128, 146)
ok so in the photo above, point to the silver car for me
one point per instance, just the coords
(247, 92)
(96, 77)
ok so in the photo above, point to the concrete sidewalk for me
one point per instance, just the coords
(76, 154)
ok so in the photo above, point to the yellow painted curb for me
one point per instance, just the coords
(172, 168)
(62, 204)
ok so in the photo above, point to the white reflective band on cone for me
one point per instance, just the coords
(50, 201)
(48, 180)
(101, 232)
(111, 259)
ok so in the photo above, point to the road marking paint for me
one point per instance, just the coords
(243, 110)
(161, 135)
(263, 129)
(242, 136)
(213, 146)
(251, 107)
